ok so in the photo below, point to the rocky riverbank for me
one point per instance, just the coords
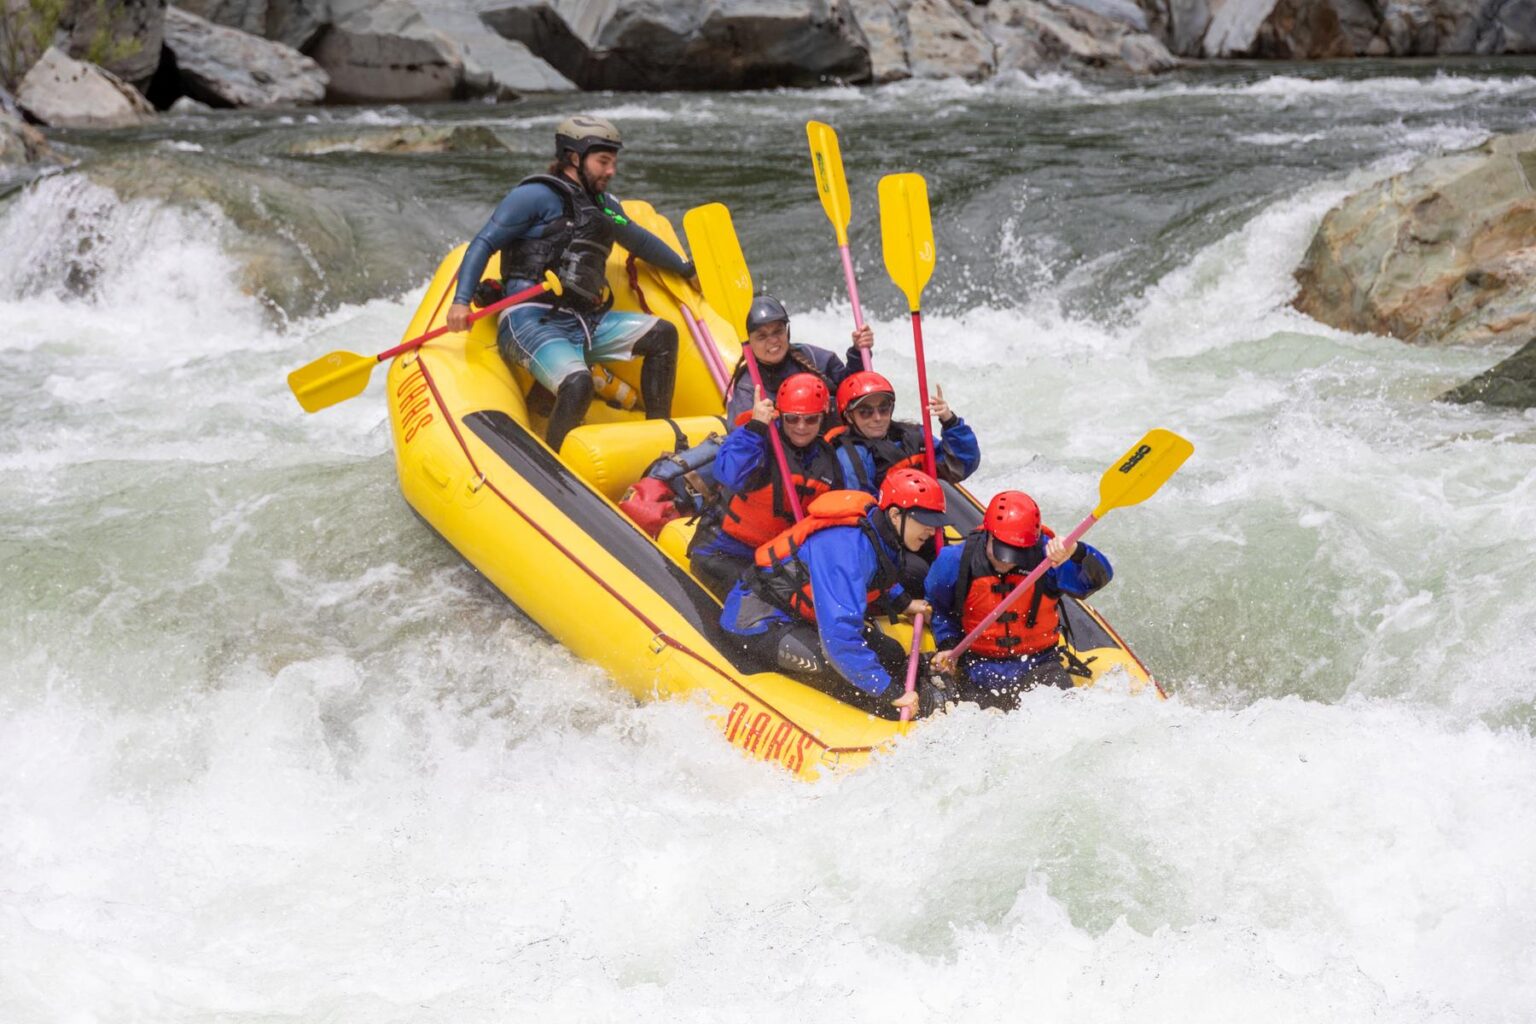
(262, 53)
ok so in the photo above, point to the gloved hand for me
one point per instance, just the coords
(488, 292)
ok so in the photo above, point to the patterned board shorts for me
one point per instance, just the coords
(551, 344)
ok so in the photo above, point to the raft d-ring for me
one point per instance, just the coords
(409, 359)
(477, 483)
(659, 643)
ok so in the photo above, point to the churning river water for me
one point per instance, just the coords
(270, 752)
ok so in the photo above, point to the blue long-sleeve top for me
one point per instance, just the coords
(842, 564)
(1071, 577)
(955, 447)
(740, 464)
(529, 209)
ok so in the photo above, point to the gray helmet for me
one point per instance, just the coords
(765, 309)
(583, 133)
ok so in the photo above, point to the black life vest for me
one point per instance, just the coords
(797, 360)
(979, 588)
(784, 581)
(902, 446)
(575, 247)
(757, 514)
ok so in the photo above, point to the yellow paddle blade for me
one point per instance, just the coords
(645, 215)
(1144, 468)
(906, 233)
(831, 185)
(721, 266)
(331, 379)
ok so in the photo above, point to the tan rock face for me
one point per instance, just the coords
(67, 93)
(1444, 254)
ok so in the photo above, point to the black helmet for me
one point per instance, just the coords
(766, 310)
(582, 133)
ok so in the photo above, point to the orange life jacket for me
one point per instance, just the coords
(1030, 626)
(756, 516)
(784, 581)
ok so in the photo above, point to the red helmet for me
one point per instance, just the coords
(860, 386)
(1013, 520)
(914, 492)
(804, 393)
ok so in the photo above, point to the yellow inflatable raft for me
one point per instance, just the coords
(546, 530)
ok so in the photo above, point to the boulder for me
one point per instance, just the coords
(123, 36)
(68, 93)
(689, 44)
(1310, 29)
(294, 23)
(225, 67)
(1443, 254)
(1034, 36)
(21, 144)
(942, 43)
(1512, 383)
(403, 51)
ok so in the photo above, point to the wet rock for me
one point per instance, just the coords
(20, 143)
(1512, 383)
(670, 44)
(1443, 254)
(405, 139)
(1037, 36)
(942, 43)
(402, 51)
(294, 23)
(225, 67)
(68, 93)
(1309, 29)
(124, 36)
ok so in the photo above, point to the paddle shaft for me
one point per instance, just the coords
(853, 295)
(706, 346)
(1020, 590)
(790, 490)
(438, 332)
(912, 659)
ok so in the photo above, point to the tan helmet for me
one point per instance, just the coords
(581, 133)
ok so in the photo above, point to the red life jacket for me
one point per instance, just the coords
(1033, 622)
(902, 447)
(756, 516)
(784, 581)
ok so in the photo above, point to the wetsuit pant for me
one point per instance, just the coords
(794, 648)
(998, 682)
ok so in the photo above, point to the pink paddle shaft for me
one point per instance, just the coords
(706, 346)
(853, 293)
(495, 307)
(1019, 591)
(917, 644)
(773, 436)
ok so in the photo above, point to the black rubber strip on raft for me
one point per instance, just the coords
(619, 537)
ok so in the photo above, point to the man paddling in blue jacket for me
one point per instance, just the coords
(564, 221)
(804, 608)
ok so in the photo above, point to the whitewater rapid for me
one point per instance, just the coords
(270, 751)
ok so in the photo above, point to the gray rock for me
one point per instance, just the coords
(1123, 11)
(668, 44)
(493, 65)
(1033, 36)
(67, 93)
(131, 29)
(20, 143)
(942, 43)
(1308, 29)
(225, 67)
(1511, 383)
(294, 23)
(386, 52)
(1443, 254)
